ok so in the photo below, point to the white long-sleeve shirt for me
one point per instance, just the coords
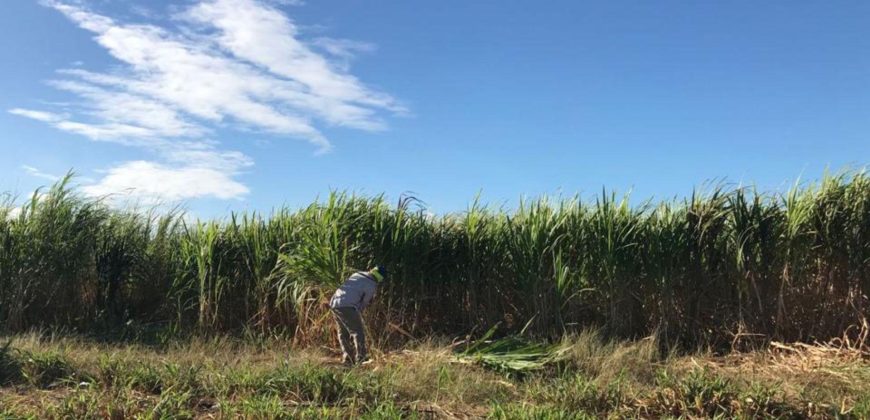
(356, 292)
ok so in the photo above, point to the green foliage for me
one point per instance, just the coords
(526, 412)
(10, 366)
(212, 379)
(576, 393)
(143, 377)
(45, 369)
(790, 266)
(512, 354)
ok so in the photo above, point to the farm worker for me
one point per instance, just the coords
(347, 305)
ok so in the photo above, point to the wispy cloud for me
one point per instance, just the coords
(43, 116)
(214, 65)
(32, 171)
(152, 182)
(343, 50)
(187, 170)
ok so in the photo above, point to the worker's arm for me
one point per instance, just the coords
(367, 298)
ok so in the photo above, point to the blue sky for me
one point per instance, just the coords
(250, 104)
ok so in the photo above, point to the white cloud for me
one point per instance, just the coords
(343, 49)
(217, 64)
(124, 108)
(13, 213)
(143, 11)
(265, 37)
(153, 182)
(190, 170)
(32, 171)
(289, 2)
(37, 115)
(236, 60)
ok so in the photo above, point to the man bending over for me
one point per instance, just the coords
(347, 305)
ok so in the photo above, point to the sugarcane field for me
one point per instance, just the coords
(730, 303)
(488, 209)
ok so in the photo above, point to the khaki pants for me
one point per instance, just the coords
(351, 334)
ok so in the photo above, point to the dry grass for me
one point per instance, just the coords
(838, 374)
(230, 378)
